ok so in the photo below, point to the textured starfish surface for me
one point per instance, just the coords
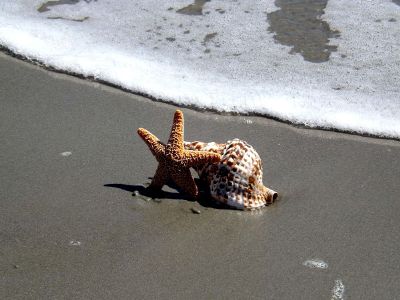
(174, 161)
(236, 180)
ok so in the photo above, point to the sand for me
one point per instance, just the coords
(71, 229)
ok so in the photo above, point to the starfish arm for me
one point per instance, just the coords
(199, 158)
(154, 144)
(159, 179)
(176, 136)
(185, 182)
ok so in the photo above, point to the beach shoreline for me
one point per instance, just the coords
(8, 52)
(70, 227)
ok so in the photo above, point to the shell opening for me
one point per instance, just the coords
(271, 195)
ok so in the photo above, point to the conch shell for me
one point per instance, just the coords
(237, 179)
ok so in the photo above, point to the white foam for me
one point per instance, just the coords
(66, 154)
(117, 44)
(338, 290)
(315, 264)
(74, 243)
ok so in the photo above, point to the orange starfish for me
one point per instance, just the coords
(174, 162)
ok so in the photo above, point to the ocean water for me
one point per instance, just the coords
(323, 63)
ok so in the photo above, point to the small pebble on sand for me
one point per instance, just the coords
(66, 154)
(74, 243)
(195, 211)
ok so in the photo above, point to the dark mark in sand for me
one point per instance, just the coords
(45, 6)
(208, 38)
(298, 24)
(69, 19)
(195, 9)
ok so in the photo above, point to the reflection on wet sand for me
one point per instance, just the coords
(45, 6)
(298, 24)
(193, 9)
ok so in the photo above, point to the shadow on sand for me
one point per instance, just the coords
(204, 198)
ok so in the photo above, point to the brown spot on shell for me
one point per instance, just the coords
(252, 180)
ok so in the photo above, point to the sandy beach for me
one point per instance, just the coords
(70, 227)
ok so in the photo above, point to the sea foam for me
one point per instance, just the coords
(223, 55)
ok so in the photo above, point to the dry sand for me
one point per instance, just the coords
(65, 234)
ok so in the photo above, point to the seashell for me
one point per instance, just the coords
(236, 180)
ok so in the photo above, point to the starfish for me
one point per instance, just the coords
(174, 162)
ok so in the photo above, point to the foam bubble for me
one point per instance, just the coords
(74, 243)
(338, 290)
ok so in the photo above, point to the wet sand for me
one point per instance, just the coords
(71, 229)
(298, 24)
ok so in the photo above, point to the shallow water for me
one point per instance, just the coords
(298, 24)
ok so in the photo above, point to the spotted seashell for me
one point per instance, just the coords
(237, 179)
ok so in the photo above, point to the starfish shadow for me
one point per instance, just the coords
(142, 190)
(204, 198)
